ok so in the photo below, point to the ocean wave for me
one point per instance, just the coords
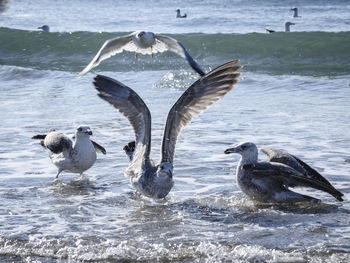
(305, 53)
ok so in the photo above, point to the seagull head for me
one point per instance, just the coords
(246, 150)
(165, 170)
(141, 34)
(83, 131)
(294, 9)
(289, 23)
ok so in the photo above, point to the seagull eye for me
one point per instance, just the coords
(80, 129)
(243, 147)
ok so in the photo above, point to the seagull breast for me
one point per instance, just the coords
(83, 154)
(143, 39)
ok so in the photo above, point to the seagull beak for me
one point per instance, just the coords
(88, 132)
(230, 150)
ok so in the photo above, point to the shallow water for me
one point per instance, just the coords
(300, 107)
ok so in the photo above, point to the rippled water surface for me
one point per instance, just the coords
(296, 100)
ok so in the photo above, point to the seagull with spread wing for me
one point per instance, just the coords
(269, 182)
(157, 180)
(74, 154)
(142, 42)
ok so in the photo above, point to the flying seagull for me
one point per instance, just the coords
(178, 14)
(286, 28)
(269, 181)
(157, 180)
(142, 42)
(73, 154)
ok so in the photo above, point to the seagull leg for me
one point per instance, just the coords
(136, 56)
(59, 171)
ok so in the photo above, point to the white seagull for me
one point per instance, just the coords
(73, 154)
(178, 14)
(157, 180)
(269, 181)
(142, 42)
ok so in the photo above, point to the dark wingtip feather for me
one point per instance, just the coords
(39, 137)
(338, 195)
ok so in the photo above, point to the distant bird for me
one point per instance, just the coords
(286, 26)
(44, 28)
(3, 5)
(270, 30)
(269, 181)
(73, 154)
(147, 178)
(295, 12)
(144, 43)
(178, 15)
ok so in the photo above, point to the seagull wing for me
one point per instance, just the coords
(175, 46)
(294, 162)
(98, 148)
(58, 142)
(108, 49)
(289, 177)
(134, 109)
(279, 156)
(40, 137)
(199, 96)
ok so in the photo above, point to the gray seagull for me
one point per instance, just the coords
(142, 42)
(269, 181)
(73, 154)
(44, 28)
(295, 12)
(152, 180)
(178, 14)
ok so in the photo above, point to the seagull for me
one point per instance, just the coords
(295, 12)
(44, 28)
(152, 180)
(286, 28)
(73, 154)
(178, 15)
(269, 182)
(140, 42)
(3, 5)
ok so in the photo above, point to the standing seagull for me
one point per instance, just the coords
(268, 182)
(178, 14)
(295, 12)
(73, 154)
(157, 180)
(141, 42)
